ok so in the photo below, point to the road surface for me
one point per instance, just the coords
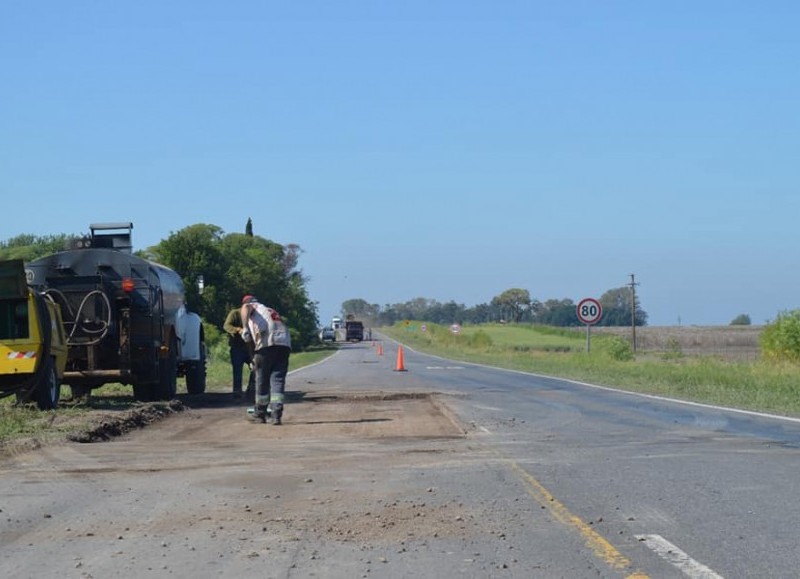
(443, 470)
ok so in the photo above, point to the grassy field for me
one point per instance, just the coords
(701, 375)
(28, 421)
(726, 342)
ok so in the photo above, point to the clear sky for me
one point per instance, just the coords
(441, 149)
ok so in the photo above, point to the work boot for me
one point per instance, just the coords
(277, 414)
(258, 414)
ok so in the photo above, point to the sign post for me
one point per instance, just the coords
(455, 330)
(589, 312)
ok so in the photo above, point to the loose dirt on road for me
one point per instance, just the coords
(414, 414)
(349, 477)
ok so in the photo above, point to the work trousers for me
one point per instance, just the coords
(240, 357)
(271, 366)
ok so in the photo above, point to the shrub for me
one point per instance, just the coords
(480, 339)
(529, 348)
(741, 320)
(216, 343)
(780, 340)
(619, 349)
(673, 350)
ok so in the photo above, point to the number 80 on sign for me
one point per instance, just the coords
(589, 311)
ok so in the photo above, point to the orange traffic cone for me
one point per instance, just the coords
(380, 349)
(400, 364)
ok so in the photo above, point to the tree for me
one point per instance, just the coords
(301, 313)
(741, 320)
(388, 316)
(291, 257)
(29, 247)
(514, 301)
(360, 309)
(415, 309)
(617, 309)
(193, 252)
(255, 266)
(236, 264)
(448, 313)
(514, 304)
(479, 314)
(558, 313)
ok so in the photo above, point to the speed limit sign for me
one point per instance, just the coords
(589, 311)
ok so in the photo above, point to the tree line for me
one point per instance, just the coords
(217, 269)
(514, 305)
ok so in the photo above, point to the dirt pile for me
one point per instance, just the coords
(105, 426)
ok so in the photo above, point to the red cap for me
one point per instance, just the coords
(248, 299)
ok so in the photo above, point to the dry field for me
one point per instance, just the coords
(728, 342)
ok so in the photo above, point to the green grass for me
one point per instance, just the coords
(28, 421)
(758, 385)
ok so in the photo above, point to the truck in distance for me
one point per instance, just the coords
(353, 331)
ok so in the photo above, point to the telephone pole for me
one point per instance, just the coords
(633, 285)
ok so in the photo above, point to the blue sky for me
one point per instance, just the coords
(449, 150)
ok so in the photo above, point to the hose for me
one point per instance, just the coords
(74, 318)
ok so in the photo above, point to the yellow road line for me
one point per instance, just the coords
(598, 545)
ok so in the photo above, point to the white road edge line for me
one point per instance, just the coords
(296, 370)
(630, 393)
(673, 555)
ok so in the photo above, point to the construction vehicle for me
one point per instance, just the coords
(353, 331)
(33, 348)
(124, 317)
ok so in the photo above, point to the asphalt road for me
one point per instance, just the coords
(498, 474)
(709, 491)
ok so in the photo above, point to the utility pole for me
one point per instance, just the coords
(633, 285)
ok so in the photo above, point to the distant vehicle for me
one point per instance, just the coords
(327, 334)
(336, 323)
(353, 331)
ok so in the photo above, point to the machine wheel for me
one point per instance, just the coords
(168, 373)
(144, 392)
(196, 374)
(48, 390)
